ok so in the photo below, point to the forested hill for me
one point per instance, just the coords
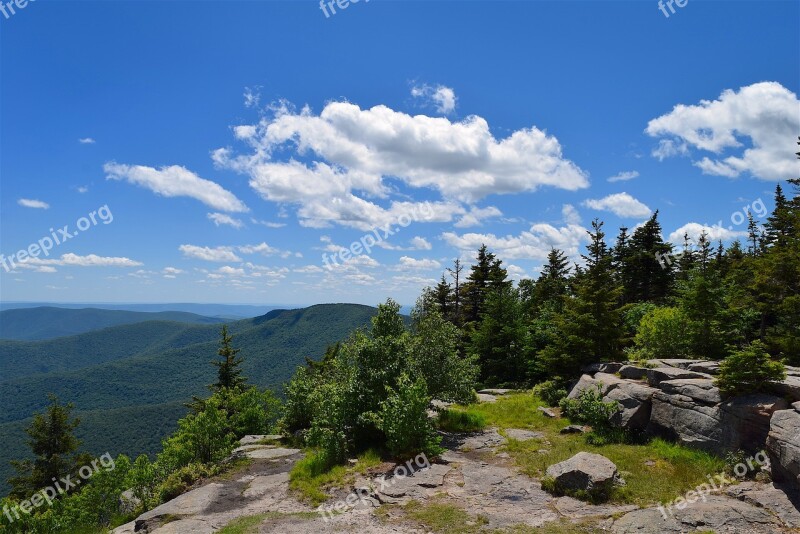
(134, 378)
(46, 322)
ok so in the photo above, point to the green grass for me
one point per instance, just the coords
(657, 471)
(310, 477)
(459, 420)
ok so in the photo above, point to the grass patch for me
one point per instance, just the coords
(444, 518)
(310, 477)
(459, 420)
(655, 471)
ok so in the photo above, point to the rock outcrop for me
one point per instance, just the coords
(586, 472)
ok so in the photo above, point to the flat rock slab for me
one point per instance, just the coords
(523, 435)
(547, 412)
(485, 441)
(270, 453)
(719, 514)
(575, 509)
(495, 391)
(660, 374)
(485, 397)
(633, 372)
(770, 497)
(699, 389)
(255, 438)
(574, 429)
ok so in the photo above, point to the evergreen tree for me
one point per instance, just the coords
(443, 296)
(455, 272)
(485, 275)
(229, 375)
(53, 443)
(499, 339)
(687, 259)
(645, 276)
(590, 326)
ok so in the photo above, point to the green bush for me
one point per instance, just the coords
(454, 420)
(180, 481)
(589, 408)
(749, 370)
(663, 333)
(404, 419)
(551, 391)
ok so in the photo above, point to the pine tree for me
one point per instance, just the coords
(499, 339)
(590, 327)
(752, 235)
(53, 443)
(455, 272)
(443, 296)
(229, 375)
(486, 274)
(645, 276)
(687, 259)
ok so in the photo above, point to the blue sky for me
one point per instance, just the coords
(226, 146)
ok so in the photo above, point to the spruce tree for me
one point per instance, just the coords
(53, 443)
(229, 375)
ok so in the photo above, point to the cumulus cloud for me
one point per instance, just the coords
(223, 218)
(476, 215)
(412, 264)
(347, 152)
(756, 126)
(624, 176)
(420, 243)
(90, 260)
(262, 249)
(621, 205)
(570, 214)
(533, 244)
(176, 181)
(32, 203)
(220, 254)
(443, 98)
(86, 141)
(694, 230)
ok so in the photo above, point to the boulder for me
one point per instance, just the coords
(603, 367)
(700, 389)
(547, 412)
(585, 472)
(635, 404)
(585, 382)
(671, 362)
(709, 367)
(660, 374)
(574, 429)
(495, 391)
(523, 435)
(783, 446)
(633, 372)
(745, 421)
(685, 420)
(789, 387)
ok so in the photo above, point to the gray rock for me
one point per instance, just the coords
(547, 412)
(128, 503)
(603, 367)
(709, 367)
(523, 435)
(699, 389)
(255, 438)
(585, 471)
(718, 514)
(660, 374)
(496, 391)
(486, 440)
(671, 362)
(792, 371)
(789, 387)
(633, 372)
(770, 497)
(746, 421)
(585, 382)
(270, 453)
(635, 404)
(783, 446)
(685, 420)
(796, 405)
(483, 397)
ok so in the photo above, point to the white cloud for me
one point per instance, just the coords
(347, 152)
(515, 272)
(227, 270)
(443, 98)
(172, 271)
(624, 176)
(252, 96)
(476, 215)
(766, 114)
(667, 148)
(32, 203)
(262, 249)
(715, 233)
(534, 244)
(420, 243)
(209, 254)
(90, 260)
(570, 215)
(83, 189)
(620, 204)
(176, 181)
(86, 141)
(309, 269)
(223, 218)
(268, 224)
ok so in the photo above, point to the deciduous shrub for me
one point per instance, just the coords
(551, 391)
